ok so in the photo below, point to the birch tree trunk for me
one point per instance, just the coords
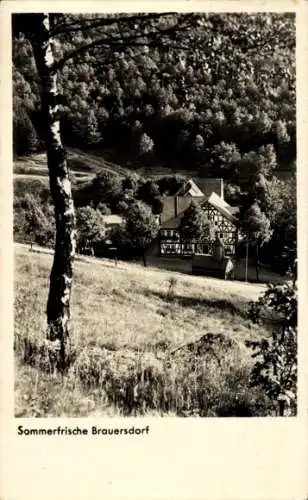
(58, 305)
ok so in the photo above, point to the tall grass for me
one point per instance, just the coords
(138, 349)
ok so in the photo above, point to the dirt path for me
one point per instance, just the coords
(30, 176)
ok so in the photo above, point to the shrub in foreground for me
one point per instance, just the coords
(210, 377)
(275, 370)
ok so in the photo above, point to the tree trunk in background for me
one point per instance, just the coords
(58, 306)
(257, 262)
(281, 406)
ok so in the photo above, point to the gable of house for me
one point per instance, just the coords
(223, 222)
(190, 188)
(210, 185)
(221, 206)
(198, 187)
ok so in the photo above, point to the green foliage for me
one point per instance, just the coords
(25, 139)
(258, 230)
(280, 203)
(104, 188)
(271, 220)
(116, 195)
(139, 230)
(145, 144)
(149, 193)
(25, 99)
(169, 185)
(90, 229)
(256, 224)
(33, 220)
(103, 208)
(195, 224)
(222, 157)
(131, 183)
(171, 289)
(247, 170)
(37, 187)
(85, 128)
(276, 367)
(212, 87)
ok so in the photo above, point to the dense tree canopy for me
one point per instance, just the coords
(90, 229)
(33, 221)
(212, 92)
(138, 231)
(223, 87)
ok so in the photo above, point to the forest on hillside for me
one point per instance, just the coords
(222, 87)
(212, 93)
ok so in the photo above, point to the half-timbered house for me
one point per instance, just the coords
(223, 221)
(219, 213)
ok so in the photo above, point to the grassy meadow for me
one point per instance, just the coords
(145, 342)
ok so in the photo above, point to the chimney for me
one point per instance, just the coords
(175, 206)
(222, 188)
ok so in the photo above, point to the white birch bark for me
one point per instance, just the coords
(58, 305)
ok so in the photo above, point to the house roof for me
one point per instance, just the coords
(173, 222)
(189, 188)
(210, 185)
(170, 221)
(183, 202)
(222, 206)
(198, 187)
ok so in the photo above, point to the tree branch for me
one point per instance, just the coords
(119, 42)
(107, 21)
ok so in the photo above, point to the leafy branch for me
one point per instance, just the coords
(276, 367)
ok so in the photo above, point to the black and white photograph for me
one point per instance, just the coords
(154, 214)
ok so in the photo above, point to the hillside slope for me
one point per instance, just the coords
(128, 334)
(84, 164)
(229, 79)
(81, 163)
